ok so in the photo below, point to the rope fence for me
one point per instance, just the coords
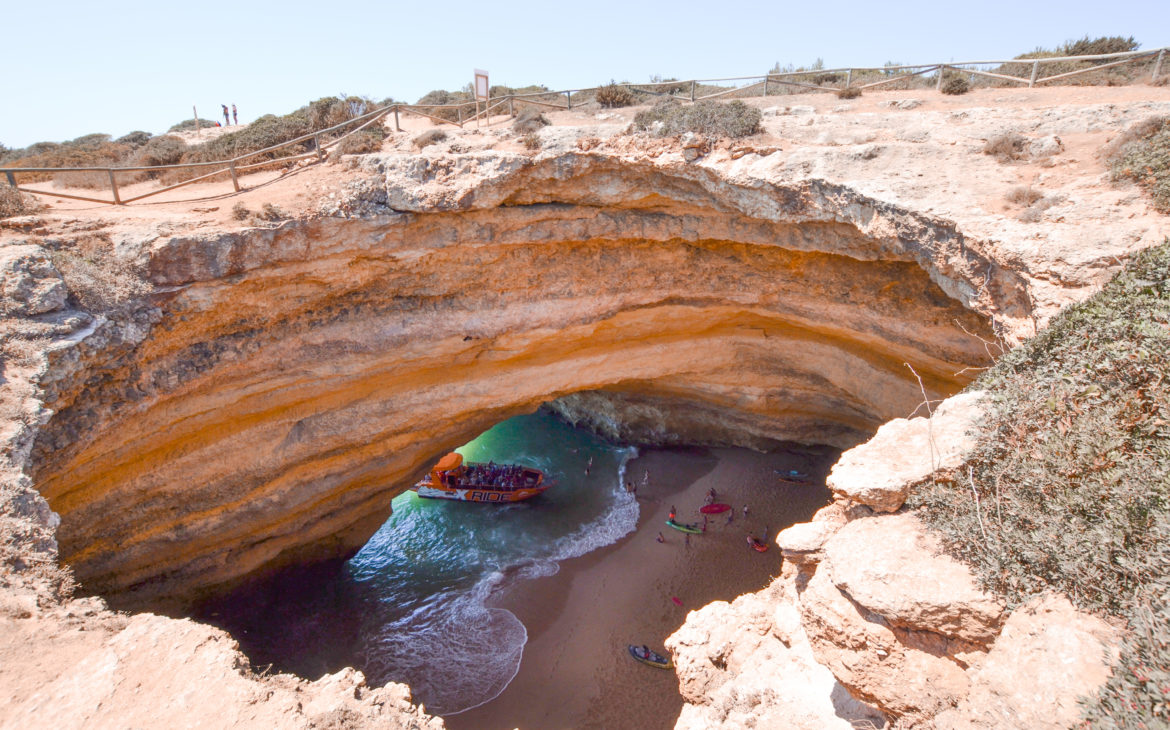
(467, 112)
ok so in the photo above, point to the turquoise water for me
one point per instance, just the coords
(426, 575)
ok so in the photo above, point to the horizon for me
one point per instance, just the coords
(291, 61)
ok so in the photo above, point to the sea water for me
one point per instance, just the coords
(426, 576)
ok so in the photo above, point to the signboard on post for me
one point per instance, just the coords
(481, 85)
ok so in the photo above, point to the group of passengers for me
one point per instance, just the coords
(497, 476)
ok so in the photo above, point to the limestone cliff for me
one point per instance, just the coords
(251, 396)
(905, 634)
(280, 386)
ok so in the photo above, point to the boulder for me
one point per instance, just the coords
(1047, 657)
(906, 579)
(29, 283)
(904, 452)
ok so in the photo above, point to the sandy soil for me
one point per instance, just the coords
(576, 672)
(302, 188)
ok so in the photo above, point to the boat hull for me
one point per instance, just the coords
(477, 494)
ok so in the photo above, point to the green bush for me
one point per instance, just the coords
(1071, 470)
(712, 118)
(134, 139)
(270, 130)
(443, 98)
(164, 150)
(188, 125)
(1146, 159)
(613, 95)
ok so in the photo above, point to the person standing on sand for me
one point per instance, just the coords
(660, 538)
(235, 118)
(745, 511)
(226, 120)
(687, 538)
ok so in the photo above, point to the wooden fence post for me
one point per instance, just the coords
(765, 86)
(1158, 65)
(235, 180)
(11, 178)
(1035, 73)
(397, 126)
(512, 106)
(941, 71)
(848, 78)
(692, 91)
(568, 100)
(114, 187)
(317, 144)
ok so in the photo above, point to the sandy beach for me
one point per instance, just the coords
(576, 672)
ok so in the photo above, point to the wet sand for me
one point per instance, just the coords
(576, 671)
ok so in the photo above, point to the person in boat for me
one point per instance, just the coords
(672, 512)
(645, 652)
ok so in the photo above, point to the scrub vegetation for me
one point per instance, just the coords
(1142, 154)
(140, 149)
(732, 119)
(1068, 488)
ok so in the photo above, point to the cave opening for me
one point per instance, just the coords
(446, 595)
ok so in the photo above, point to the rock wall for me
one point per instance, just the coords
(901, 635)
(278, 387)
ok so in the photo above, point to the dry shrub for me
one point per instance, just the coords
(1035, 211)
(429, 137)
(1006, 147)
(850, 92)
(272, 213)
(531, 141)
(365, 142)
(98, 280)
(240, 212)
(955, 84)
(13, 202)
(614, 95)
(711, 118)
(529, 120)
(1023, 195)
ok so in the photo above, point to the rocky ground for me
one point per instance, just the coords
(897, 178)
(905, 629)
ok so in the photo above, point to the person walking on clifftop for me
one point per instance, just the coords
(235, 118)
(226, 119)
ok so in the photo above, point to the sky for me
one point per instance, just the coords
(80, 67)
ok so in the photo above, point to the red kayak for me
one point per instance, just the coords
(714, 509)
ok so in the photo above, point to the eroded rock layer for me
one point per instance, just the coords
(280, 386)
